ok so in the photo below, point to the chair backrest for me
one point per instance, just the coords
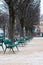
(21, 39)
(7, 41)
(17, 39)
(1, 37)
(1, 40)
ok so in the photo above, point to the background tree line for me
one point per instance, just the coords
(26, 11)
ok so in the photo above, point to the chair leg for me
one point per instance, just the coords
(17, 48)
(2, 47)
(5, 50)
(12, 50)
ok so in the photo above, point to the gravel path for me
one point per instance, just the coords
(30, 54)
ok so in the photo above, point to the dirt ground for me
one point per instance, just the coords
(30, 54)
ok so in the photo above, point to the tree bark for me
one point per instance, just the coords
(22, 25)
(11, 20)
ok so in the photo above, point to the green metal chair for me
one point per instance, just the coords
(20, 40)
(9, 45)
(1, 43)
(28, 38)
(1, 40)
(42, 34)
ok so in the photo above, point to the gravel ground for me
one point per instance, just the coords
(30, 54)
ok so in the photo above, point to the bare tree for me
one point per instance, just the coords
(26, 11)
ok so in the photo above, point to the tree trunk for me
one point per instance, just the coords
(11, 21)
(4, 31)
(22, 25)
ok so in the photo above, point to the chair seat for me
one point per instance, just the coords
(12, 45)
(0, 44)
